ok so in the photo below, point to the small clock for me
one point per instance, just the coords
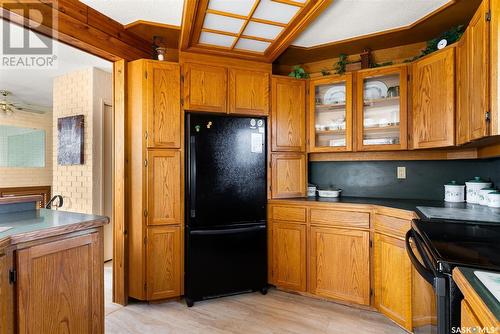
(442, 43)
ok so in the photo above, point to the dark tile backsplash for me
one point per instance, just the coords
(424, 179)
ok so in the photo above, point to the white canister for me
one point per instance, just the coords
(311, 191)
(473, 187)
(454, 192)
(494, 199)
(483, 195)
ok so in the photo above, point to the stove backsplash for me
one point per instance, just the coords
(424, 179)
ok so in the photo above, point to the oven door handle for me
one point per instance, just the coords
(427, 274)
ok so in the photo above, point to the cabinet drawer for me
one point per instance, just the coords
(391, 225)
(343, 218)
(288, 213)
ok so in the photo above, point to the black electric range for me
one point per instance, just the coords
(443, 245)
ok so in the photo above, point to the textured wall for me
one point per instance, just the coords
(79, 93)
(22, 177)
(425, 179)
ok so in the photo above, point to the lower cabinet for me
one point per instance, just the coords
(289, 256)
(339, 264)
(164, 262)
(393, 272)
(6, 296)
(59, 286)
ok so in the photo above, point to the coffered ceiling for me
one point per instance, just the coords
(252, 29)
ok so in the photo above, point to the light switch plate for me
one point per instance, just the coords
(401, 173)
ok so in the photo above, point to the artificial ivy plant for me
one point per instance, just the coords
(298, 72)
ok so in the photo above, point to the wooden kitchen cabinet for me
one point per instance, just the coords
(248, 92)
(339, 264)
(381, 113)
(468, 318)
(205, 88)
(463, 87)
(393, 272)
(433, 90)
(330, 113)
(288, 116)
(289, 255)
(478, 34)
(6, 295)
(164, 187)
(154, 93)
(57, 289)
(164, 269)
(288, 175)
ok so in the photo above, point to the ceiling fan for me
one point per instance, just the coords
(9, 105)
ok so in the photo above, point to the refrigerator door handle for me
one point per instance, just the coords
(192, 176)
(229, 230)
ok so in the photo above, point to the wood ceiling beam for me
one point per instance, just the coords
(77, 25)
(232, 34)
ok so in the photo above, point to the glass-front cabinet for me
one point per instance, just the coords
(381, 122)
(330, 114)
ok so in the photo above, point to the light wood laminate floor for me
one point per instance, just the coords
(277, 312)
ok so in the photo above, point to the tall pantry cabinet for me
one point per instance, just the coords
(155, 180)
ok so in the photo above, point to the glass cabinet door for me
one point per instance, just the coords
(331, 114)
(381, 105)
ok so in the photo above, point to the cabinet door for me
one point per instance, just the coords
(248, 92)
(289, 256)
(392, 269)
(60, 286)
(205, 88)
(330, 114)
(288, 175)
(479, 72)
(463, 94)
(288, 116)
(468, 319)
(163, 105)
(434, 100)
(6, 296)
(340, 264)
(164, 187)
(382, 112)
(163, 262)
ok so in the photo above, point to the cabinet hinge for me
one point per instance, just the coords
(145, 240)
(146, 74)
(146, 135)
(145, 162)
(488, 116)
(182, 102)
(145, 286)
(145, 213)
(182, 78)
(12, 276)
(371, 243)
(371, 292)
(488, 16)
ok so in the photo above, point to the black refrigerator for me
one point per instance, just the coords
(226, 223)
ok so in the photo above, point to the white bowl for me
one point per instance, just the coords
(329, 193)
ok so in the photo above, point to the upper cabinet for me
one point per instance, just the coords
(433, 92)
(248, 92)
(226, 86)
(163, 104)
(205, 88)
(288, 116)
(462, 87)
(382, 109)
(330, 114)
(478, 33)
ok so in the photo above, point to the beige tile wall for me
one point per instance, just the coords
(74, 94)
(22, 177)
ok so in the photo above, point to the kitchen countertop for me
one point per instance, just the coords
(34, 224)
(465, 211)
(478, 287)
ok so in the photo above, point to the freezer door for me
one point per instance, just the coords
(226, 170)
(225, 261)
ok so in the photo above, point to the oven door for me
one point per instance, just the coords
(431, 306)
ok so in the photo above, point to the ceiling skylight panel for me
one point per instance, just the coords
(251, 45)
(262, 30)
(275, 11)
(223, 23)
(239, 7)
(209, 38)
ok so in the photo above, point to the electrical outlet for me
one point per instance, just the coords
(401, 173)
